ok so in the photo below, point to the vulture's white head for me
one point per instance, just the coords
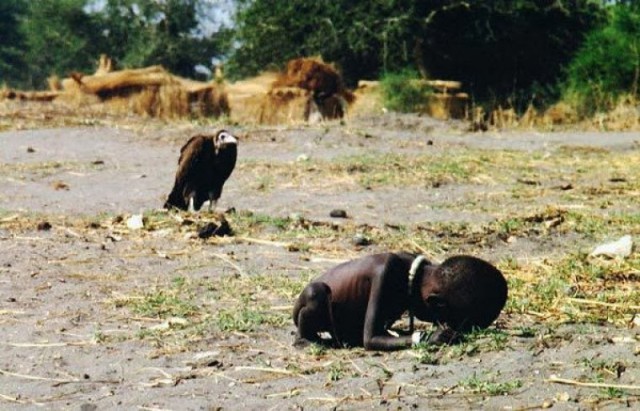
(224, 138)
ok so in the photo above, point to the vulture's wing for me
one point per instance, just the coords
(186, 145)
(192, 154)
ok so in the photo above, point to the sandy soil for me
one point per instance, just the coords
(72, 341)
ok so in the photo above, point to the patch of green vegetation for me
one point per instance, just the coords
(99, 336)
(163, 304)
(383, 169)
(475, 342)
(41, 169)
(489, 386)
(611, 393)
(248, 221)
(524, 332)
(239, 320)
(611, 51)
(511, 225)
(336, 371)
(492, 339)
(404, 92)
(576, 288)
(247, 318)
(603, 368)
(317, 350)
(426, 354)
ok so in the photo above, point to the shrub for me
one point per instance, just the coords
(403, 91)
(608, 64)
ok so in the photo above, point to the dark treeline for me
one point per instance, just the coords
(513, 51)
(39, 38)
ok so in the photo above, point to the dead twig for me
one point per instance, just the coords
(33, 377)
(555, 379)
(285, 394)
(46, 345)
(19, 401)
(57, 384)
(10, 218)
(231, 263)
(264, 242)
(268, 369)
(603, 304)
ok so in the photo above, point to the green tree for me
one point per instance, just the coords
(500, 49)
(68, 35)
(509, 51)
(346, 32)
(608, 64)
(145, 32)
(12, 65)
(60, 38)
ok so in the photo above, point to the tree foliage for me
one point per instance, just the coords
(12, 64)
(145, 32)
(608, 63)
(60, 37)
(497, 48)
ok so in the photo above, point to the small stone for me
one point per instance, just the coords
(296, 218)
(206, 359)
(60, 185)
(44, 226)
(361, 240)
(213, 229)
(338, 213)
(30, 150)
(135, 222)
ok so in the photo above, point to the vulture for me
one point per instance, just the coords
(205, 163)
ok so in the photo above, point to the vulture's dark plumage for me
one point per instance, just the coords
(205, 163)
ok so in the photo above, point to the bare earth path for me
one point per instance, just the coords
(96, 315)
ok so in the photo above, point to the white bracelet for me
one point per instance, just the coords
(416, 338)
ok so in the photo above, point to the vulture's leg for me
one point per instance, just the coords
(191, 208)
(212, 204)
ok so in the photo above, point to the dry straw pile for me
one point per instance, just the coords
(149, 91)
(307, 90)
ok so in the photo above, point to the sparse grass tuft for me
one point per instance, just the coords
(489, 386)
(336, 371)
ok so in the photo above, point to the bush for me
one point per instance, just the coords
(403, 91)
(607, 66)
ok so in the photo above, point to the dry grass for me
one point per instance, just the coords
(562, 115)
(150, 91)
(209, 293)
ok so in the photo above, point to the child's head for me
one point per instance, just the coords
(462, 292)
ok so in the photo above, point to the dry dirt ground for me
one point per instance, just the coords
(97, 315)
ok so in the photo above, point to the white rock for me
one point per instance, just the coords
(618, 248)
(135, 222)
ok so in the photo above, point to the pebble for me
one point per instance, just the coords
(338, 213)
(44, 226)
(361, 240)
